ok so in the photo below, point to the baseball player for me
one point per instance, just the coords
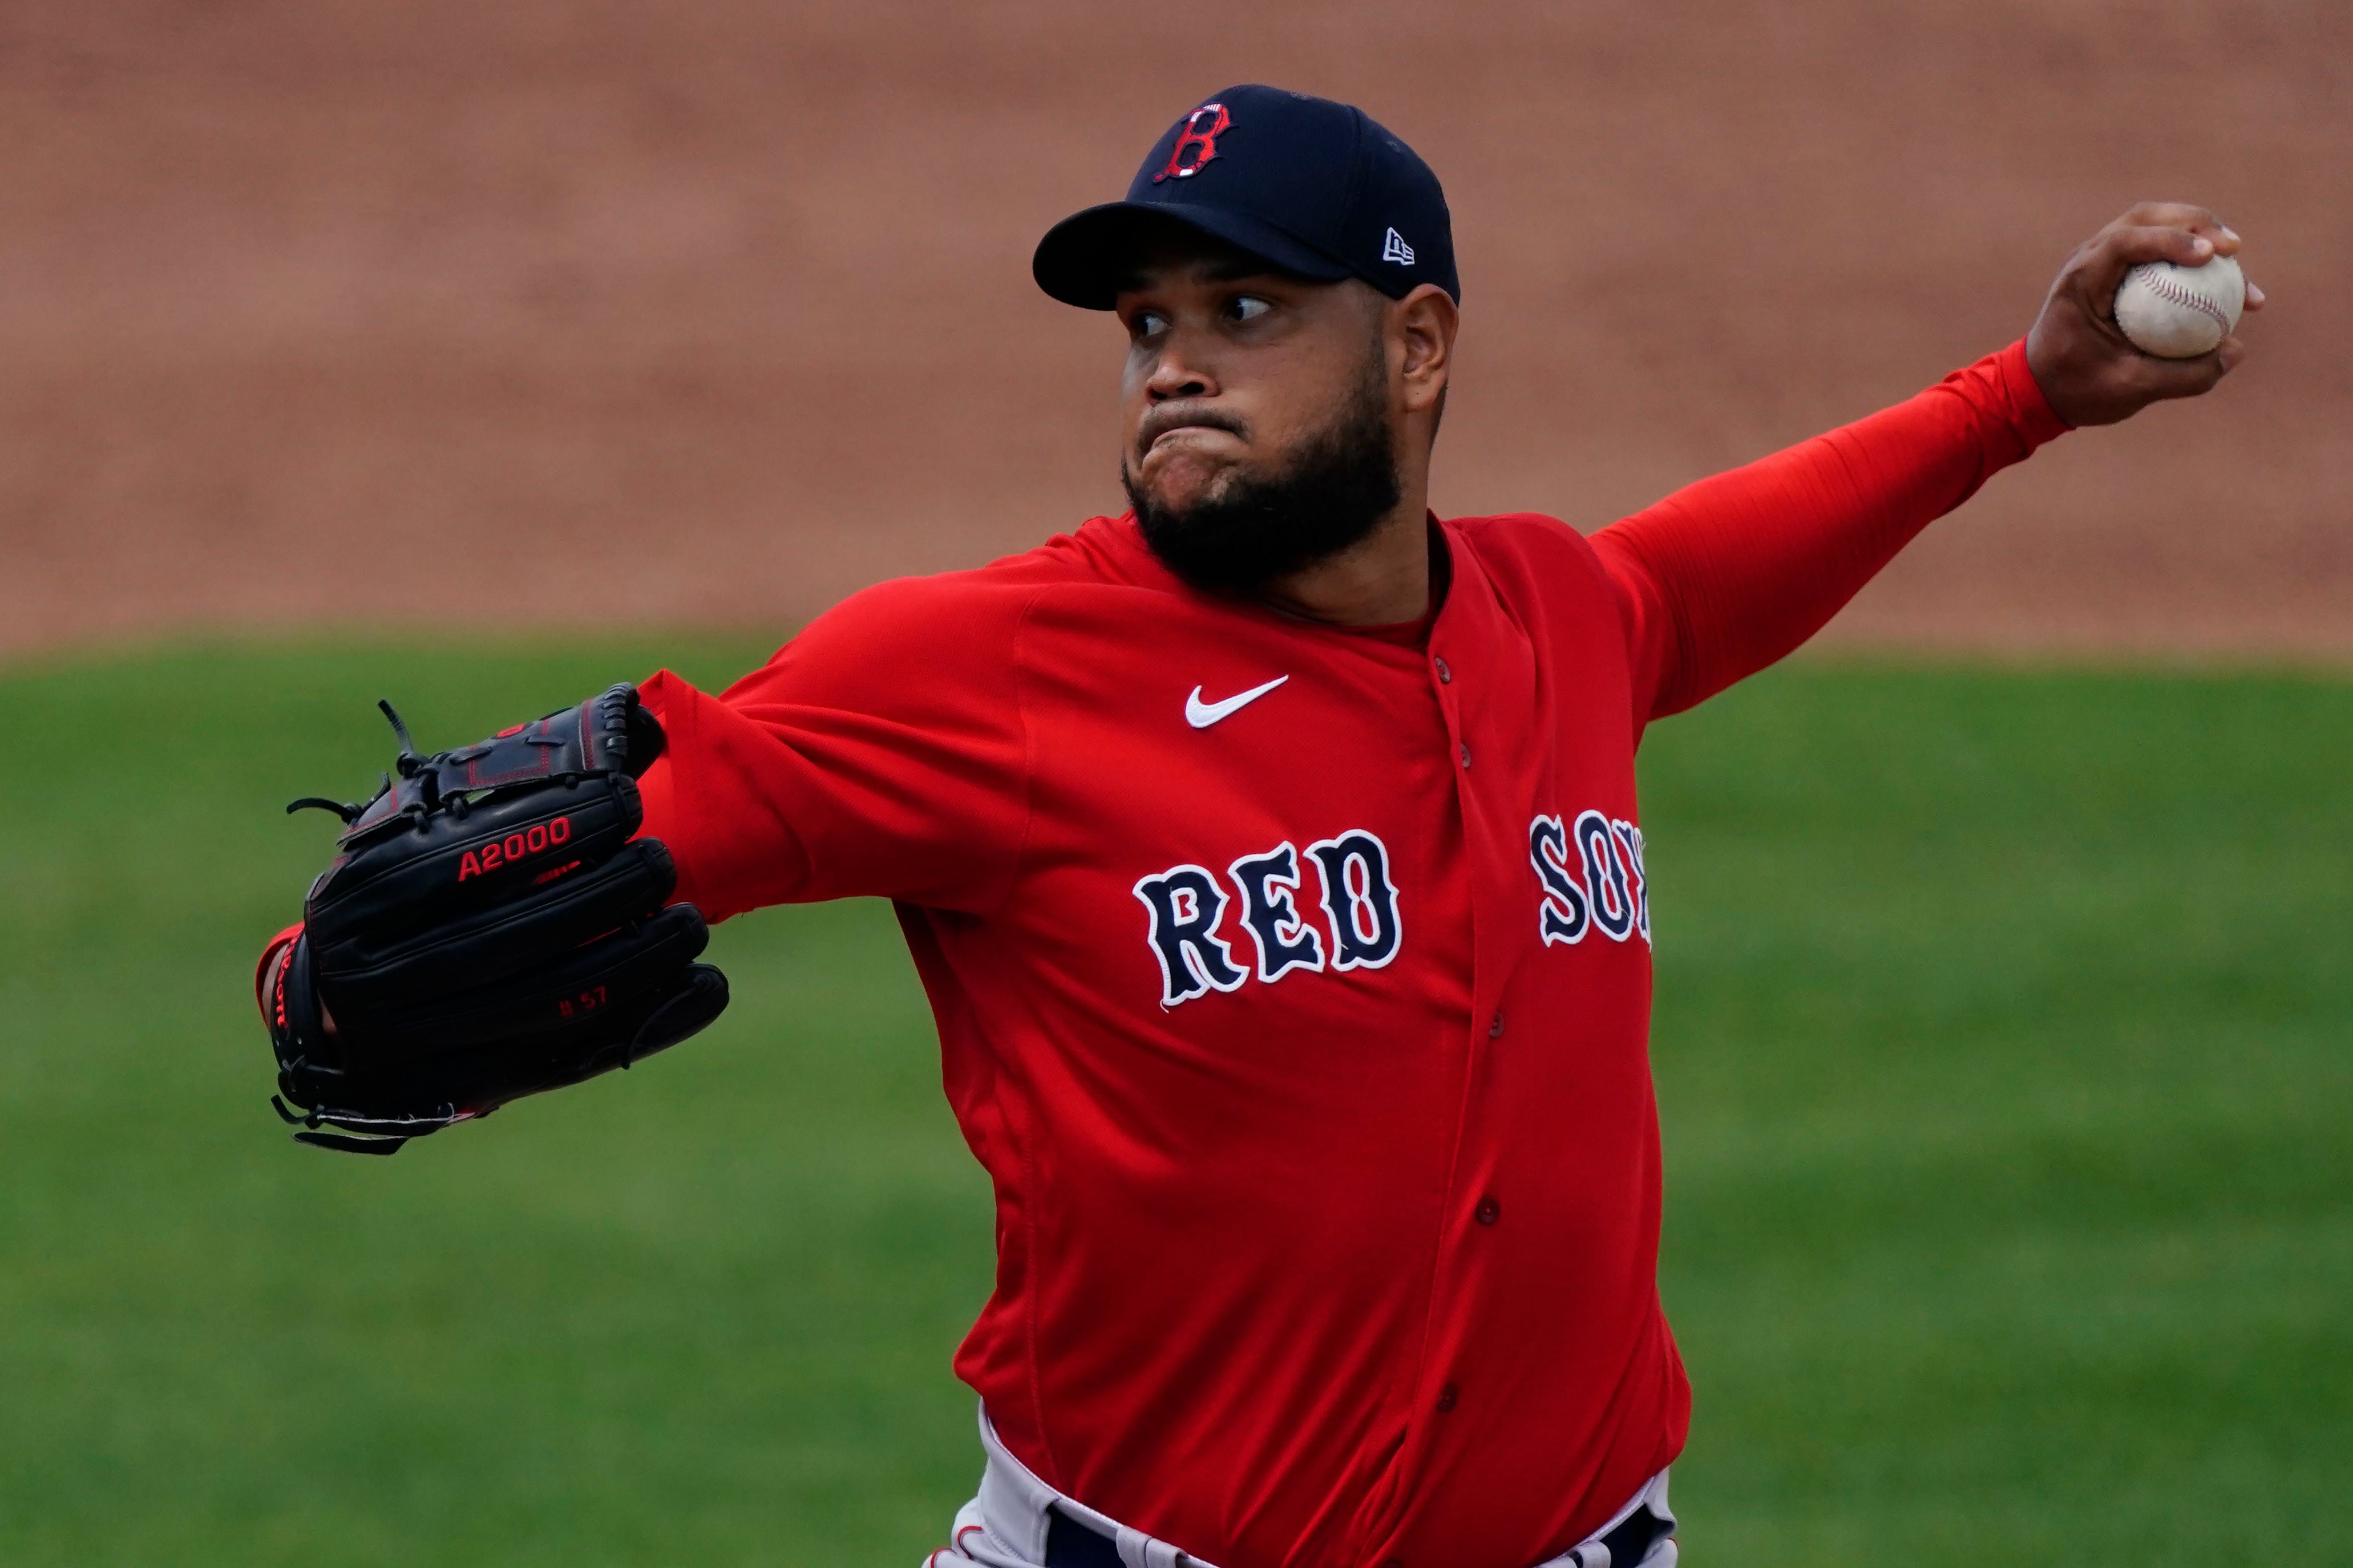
(1271, 857)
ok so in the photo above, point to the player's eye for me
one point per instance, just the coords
(1145, 325)
(1247, 307)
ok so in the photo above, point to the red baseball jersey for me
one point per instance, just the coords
(1293, 981)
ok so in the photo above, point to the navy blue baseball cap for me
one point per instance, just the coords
(1314, 187)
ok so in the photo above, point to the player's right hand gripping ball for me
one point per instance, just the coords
(488, 928)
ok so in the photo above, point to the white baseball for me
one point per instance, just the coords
(2180, 312)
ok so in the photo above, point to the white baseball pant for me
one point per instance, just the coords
(1004, 1525)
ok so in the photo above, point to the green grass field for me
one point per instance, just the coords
(2005, 1045)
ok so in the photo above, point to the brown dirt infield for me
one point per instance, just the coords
(327, 312)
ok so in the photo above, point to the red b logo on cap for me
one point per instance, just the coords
(1197, 143)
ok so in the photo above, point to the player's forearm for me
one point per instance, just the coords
(882, 752)
(1733, 573)
(713, 798)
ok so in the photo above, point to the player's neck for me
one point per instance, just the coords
(1382, 580)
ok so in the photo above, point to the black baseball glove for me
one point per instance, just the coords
(488, 929)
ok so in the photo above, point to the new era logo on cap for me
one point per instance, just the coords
(1395, 249)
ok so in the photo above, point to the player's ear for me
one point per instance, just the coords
(1421, 328)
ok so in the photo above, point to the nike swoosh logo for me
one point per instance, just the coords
(1201, 715)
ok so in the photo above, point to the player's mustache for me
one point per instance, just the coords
(1158, 422)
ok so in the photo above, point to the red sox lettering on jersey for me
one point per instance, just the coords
(1294, 982)
(1360, 926)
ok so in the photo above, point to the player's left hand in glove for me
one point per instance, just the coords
(488, 928)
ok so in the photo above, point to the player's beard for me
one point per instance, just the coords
(1251, 530)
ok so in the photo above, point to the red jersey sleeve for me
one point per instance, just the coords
(883, 751)
(1727, 575)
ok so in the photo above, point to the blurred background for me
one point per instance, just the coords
(478, 356)
(567, 313)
